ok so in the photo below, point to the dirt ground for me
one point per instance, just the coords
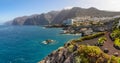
(108, 44)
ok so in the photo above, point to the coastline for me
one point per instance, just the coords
(67, 55)
(66, 45)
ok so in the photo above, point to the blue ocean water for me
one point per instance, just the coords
(23, 44)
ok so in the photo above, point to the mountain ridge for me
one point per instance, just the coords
(57, 17)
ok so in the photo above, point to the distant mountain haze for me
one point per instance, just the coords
(57, 17)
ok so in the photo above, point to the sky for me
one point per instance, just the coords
(9, 9)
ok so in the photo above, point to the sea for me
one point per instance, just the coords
(24, 44)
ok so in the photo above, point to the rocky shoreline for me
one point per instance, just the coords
(69, 52)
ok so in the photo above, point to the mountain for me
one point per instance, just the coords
(57, 17)
(8, 23)
(42, 19)
(19, 20)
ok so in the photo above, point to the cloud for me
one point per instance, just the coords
(113, 5)
(68, 7)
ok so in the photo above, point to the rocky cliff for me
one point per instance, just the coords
(79, 54)
(57, 17)
(84, 50)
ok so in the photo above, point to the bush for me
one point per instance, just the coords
(117, 43)
(90, 50)
(78, 59)
(115, 34)
(71, 48)
(93, 54)
(101, 40)
(114, 59)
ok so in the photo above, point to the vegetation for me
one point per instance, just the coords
(70, 48)
(101, 40)
(115, 29)
(115, 34)
(90, 37)
(93, 54)
(78, 59)
(117, 42)
(115, 24)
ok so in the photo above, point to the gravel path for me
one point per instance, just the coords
(109, 45)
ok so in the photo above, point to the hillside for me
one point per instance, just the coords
(84, 50)
(100, 47)
(57, 17)
(77, 51)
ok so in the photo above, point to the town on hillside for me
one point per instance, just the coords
(85, 25)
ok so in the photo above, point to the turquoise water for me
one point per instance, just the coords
(23, 44)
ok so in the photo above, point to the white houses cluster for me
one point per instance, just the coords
(86, 20)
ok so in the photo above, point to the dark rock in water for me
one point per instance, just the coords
(48, 41)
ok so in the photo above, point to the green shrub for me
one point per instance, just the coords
(115, 34)
(93, 54)
(114, 59)
(90, 50)
(117, 42)
(81, 59)
(115, 29)
(78, 59)
(70, 48)
(101, 40)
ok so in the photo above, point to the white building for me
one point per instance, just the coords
(68, 22)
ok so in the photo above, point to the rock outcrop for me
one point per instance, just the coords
(79, 54)
(62, 55)
(81, 51)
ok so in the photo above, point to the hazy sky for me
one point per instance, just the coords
(10, 9)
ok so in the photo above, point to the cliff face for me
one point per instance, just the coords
(59, 56)
(19, 20)
(57, 17)
(36, 20)
(39, 19)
